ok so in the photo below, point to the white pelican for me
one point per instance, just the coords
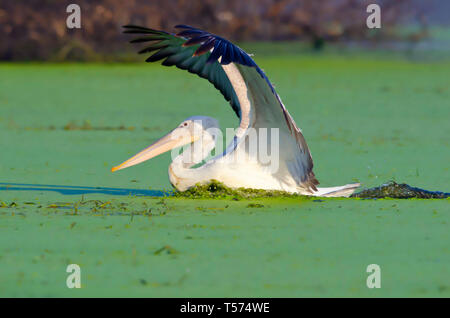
(254, 100)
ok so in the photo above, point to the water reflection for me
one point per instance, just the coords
(73, 190)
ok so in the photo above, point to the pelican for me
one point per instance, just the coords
(258, 107)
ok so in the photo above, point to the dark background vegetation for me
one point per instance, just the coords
(36, 29)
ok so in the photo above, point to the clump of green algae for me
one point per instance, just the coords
(217, 190)
(399, 191)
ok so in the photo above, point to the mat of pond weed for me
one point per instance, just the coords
(394, 190)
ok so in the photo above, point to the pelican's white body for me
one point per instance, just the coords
(245, 176)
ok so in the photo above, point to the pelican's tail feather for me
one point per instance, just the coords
(341, 191)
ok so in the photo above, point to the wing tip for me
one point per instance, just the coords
(312, 181)
(183, 26)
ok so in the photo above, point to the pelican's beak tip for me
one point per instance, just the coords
(113, 169)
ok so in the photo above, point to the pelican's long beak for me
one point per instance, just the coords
(171, 140)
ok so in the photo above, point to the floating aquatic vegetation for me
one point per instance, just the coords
(217, 190)
(167, 249)
(255, 205)
(399, 191)
(88, 126)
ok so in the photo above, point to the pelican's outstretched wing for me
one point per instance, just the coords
(234, 73)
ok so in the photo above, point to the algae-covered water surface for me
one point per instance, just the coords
(62, 127)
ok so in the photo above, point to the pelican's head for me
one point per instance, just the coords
(189, 131)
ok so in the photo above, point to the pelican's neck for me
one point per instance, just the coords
(181, 174)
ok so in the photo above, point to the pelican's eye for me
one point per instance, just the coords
(185, 124)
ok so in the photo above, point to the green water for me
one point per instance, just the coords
(365, 120)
